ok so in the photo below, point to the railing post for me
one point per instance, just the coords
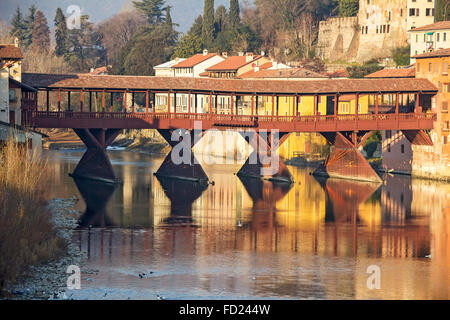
(111, 102)
(48, 100)
(132, 102)
(273, 106)
(90, 101)
(168, 103)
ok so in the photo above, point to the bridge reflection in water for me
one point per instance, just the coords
(310, 239)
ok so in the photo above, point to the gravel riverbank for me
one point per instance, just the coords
(49, 280)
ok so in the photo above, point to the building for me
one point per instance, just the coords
(379, 27)
(15, 97)
(235, 66)
(425, 161)
(197, 64)
(165, 69)
(409, 72)
(430, 38)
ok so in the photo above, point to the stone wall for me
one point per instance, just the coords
(379, 27)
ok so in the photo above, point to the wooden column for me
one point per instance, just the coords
(146, 101)
(273, 106)
(278, 106)
(336, 104)
(210, 104)
(111, 102)
(103, 101)
(189, 103)
(125, 100)
(397, 103)
(168, 103)
(68, 100)
(90, 101)
(253, 105)
(59, 100)
(81, 100)
(175, 102)
(48, 100)
(316, 104)
(132, 102)
(257, 105)
(196, 103)
(216, 105)
(232, 105)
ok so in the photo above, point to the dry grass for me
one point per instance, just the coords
(26, 232)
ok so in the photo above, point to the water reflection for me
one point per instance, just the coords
(251, 238)
(182, 195)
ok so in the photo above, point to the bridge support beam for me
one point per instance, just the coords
(180, 163)
(264, 163)
(345, 160)
(95, 164)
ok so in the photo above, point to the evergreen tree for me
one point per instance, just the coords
(18, 25)
(208, 23)
(169, 21)
(29, 25)
(153, 10)
(197, 27)
(188, 45)
(442, 10)
(234, 15)
(41, 33)
(220, 19)
(61, 33)
(348, 8)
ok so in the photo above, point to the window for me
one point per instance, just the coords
(12, 95)
(445, 140)
(428, 12)
(389, 147)
(418, 65)
(388, 134)
(445, 107)
(403, 148)
(445, 68)
(438, 37)
(412, 12)
(444, 37)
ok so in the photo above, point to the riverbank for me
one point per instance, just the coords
(49, 280)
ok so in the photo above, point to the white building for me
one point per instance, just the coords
(165, 69)
(429, 38)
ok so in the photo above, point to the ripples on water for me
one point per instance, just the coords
(251, 239)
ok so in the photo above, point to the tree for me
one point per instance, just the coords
(208, 23)
(150, 46)
(234, 15)
(29, 25)
(188, 45)
(197, 27)
(360, 71)
(153, 10)
(41, 33)
(401, 56)
(18, 25)
(61, 33)
(169, 21)
(442, 10)
(220, 19)
(118, 31)
(348, 8)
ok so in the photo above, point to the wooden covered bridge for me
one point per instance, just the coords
(247, 106)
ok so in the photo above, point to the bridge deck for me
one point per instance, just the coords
(116, 120)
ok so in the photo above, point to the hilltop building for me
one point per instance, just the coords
(379, 27)
(429, 38)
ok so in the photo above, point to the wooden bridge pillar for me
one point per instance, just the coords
(190, 170)
(345, 160)
(261, 164)
(95, 164)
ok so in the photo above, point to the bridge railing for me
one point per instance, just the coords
(221, 118)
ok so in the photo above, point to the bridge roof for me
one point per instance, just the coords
(202, 85)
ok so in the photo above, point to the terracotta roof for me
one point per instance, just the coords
(394, 73)
(194, 60)
(298, 73)
(232, 63)
(434, 26)
(339, 74)
(328, 86)
(434, 54)
(10, 52)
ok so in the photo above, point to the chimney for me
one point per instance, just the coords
(92, 70)
(16, 42)
(225, 54)
(263, 53)
(205, 52)
(255, 68)
(248, 57)
(177, 59)
(240, 54)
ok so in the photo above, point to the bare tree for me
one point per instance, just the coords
(118, 31)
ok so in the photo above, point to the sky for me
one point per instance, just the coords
(184, 12)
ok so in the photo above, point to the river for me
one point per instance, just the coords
(248, 239)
